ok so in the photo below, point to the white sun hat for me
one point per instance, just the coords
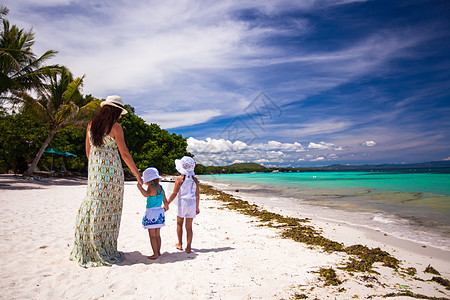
(150, 174)
(185, 165)
(115, 101)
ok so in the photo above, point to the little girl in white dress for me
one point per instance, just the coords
(187, 189)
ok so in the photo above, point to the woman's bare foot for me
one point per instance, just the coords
(154, 256)
(178, 246)
(188, 249)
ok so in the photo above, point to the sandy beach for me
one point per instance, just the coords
(232, 258)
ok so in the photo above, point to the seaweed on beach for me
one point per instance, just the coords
(411, 271)
(362, 259)
(431, 270)
(442, 281)
(300, 296)
(367, 257)
(408, 294)
(330, 277)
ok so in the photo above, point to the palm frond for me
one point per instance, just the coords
(72, 88)
(66, 113)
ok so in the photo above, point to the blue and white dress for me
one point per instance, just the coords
(154, 214)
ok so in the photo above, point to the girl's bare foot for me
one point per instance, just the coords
(178, 246)
(188, 249)
(154, 256)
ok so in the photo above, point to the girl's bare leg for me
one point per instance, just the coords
(158, 240)
(189, 234)
(180, 222)
(153, 243)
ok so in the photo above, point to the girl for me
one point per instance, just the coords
(154, 217)
(187, 188)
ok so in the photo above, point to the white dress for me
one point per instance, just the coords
(187, 205)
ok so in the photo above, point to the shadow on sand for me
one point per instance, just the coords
(17, 182)
(136, 257)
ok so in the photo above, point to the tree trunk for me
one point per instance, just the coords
(33, 165)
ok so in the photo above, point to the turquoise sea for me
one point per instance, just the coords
(410, 204)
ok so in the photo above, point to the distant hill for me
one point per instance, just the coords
(254, 167)
(234, 168)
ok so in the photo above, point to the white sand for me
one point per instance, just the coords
(232, 258)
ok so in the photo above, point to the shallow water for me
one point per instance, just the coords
(408, 205)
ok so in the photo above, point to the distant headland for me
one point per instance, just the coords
(254, 167)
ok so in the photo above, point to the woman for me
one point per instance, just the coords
(98, 219)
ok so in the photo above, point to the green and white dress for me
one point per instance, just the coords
(98, 219)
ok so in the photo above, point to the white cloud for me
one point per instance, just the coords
(178, 119)
(318, 127)
(369, 143)
(318, 158)
(214, 145)
(223, 152)
(321, 145)
(274, 145)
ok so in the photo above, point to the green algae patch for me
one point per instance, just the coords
(300, 296)
(330, 277)
(442, 281)
(366, 257)
(431, 270)
(411, 271)
(409, 294)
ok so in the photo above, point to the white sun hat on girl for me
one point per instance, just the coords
(115, 101)
(150, 174)
(185, 165)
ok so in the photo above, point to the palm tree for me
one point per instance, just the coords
(56, 107)
(3, 11)
(20, 69)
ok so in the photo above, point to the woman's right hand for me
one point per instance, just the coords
(139, 179)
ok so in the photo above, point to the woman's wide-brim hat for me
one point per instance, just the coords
(115, 101)
(185, 165)
(150, 174)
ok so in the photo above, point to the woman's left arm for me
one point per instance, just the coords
(88, 144)
(117, 134)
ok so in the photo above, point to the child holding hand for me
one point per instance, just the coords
(154, 217)
(187, 189)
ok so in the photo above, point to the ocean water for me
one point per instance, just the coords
(409, 204)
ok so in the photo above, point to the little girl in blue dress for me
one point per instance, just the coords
(154, 217)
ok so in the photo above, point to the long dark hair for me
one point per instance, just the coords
(103, 122)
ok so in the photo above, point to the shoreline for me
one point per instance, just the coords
(374, 235)
(233, 257)
(406, 227)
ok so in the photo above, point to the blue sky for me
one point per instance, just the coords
(281, 83)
